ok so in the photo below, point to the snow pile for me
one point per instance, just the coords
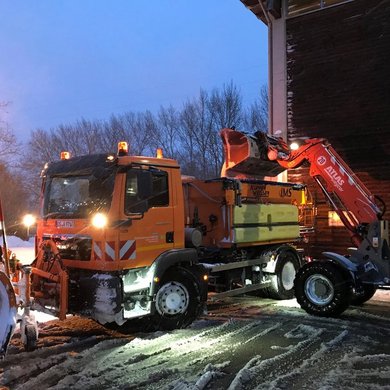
(24, 250)
(16, 242)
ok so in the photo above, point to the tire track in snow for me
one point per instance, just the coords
(261, 370)
(51, 369)
(321, 365)
(246, 345)
(16, 371)
(196, 350)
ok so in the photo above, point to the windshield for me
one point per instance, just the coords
(77, 196)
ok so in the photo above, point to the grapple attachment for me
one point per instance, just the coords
(247, 155)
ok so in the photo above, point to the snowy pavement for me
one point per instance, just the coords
(243, 343)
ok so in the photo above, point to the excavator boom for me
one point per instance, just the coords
(263, 155)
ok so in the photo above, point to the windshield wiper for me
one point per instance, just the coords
(58, 214)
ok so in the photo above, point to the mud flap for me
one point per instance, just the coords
(8, 311)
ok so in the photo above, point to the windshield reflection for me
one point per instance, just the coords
(77, 196)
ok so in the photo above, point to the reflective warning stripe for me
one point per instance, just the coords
(97, 252)
(110, 250)
(127, 250)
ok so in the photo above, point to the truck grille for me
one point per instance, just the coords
(72, 246)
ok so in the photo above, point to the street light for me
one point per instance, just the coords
(28, 221)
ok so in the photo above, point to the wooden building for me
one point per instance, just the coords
(329, 77)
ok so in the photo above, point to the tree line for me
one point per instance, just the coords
(189, 134)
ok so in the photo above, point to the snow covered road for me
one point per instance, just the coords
(243, 343)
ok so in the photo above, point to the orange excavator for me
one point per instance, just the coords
(328, 286)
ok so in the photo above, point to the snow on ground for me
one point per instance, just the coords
(242, 343)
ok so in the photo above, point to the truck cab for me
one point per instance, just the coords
(112, 219)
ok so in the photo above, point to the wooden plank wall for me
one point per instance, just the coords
(338, 65)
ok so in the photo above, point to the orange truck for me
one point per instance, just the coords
(124, 237)
(129, 236)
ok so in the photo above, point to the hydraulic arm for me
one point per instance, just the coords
(323, 287)
(349, 197)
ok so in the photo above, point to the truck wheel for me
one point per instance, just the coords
(178, 300)
(31, 338)
(322, 289)
(282, 282)
(368, 292)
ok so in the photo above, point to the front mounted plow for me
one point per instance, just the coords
(8, 312)
(42, 286)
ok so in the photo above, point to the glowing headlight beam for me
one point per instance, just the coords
(99, 220)
(29, 220)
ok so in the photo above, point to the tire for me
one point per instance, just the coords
(282, 282)
(31, 338)
(368, 292)
(323, 289)
(178, 301)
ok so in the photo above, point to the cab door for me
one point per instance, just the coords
(149, 208)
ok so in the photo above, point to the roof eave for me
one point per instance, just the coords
(255, 7)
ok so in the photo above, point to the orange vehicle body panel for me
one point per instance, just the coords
(208, 199)
(145, 237)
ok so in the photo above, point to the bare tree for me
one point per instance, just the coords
(9, 146)
(226, 104)
(143, 133)
(256, 118)
(15, 200)
(190, 135)
(134, 128)
(167, 132)
(197, 126)
(14, 194)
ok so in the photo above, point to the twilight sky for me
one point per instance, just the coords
(65, 59)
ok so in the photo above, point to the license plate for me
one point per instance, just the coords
(64, 224)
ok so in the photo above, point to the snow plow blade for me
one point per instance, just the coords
(246, 155)
(8, 311)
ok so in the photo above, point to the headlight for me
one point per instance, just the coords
(99, 220)
(29, 220)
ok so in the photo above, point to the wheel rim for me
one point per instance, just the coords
(319, 289)
(288, 275)
(172, 298)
